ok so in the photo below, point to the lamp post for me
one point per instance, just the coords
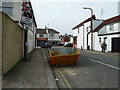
(91, 26)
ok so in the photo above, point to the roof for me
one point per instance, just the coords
(52, 30)
(108, 21)
(41, 31)
(85, 21)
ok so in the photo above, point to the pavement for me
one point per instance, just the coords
(112, 54)
(32, 73)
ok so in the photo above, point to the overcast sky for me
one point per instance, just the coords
(63, 15)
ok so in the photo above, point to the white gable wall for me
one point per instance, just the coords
(105, 30)
(108, 41)
(115, 28)
(96, 43)
(82, 35)
(80, 38)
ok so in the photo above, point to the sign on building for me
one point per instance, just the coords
(26, 20)
(27, 14)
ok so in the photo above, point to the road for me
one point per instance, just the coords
(93, 70)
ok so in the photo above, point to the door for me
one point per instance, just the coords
(116, 44)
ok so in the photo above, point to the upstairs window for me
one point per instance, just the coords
(7, 7)
(87, 29)
(7, 4)
(111, 27)
(41, 35)
(99, 40)
(51, 34)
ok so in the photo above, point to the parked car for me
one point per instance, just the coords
(68, 45)
(46, 45)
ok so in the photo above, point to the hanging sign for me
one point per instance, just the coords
(27, 14)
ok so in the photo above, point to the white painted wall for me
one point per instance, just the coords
(80, 38)
(44, 36)
(30, 41)
(56, 36)
(34, 32)
(31, 37)
(82, 35)
(97, 45)
(108, 41)
(17, 6)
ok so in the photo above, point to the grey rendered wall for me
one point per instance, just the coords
(13, 43)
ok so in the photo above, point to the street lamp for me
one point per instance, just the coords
(89, 9)
(91, 27)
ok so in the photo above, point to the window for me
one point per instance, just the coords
(51, 34)
(87, 29)
(111, 27)
(7, 4)
(41, 35)
(7, 7)
(105, 38)
(7, 10)
(99, 40)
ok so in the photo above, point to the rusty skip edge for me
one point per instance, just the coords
(50, 54)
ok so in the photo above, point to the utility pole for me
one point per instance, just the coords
(101, 14)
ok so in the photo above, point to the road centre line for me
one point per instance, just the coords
(104, 64)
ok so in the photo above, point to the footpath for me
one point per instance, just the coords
(34, 73)
(112, 54)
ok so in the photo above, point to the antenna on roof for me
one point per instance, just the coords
(48, 25)
(101, 14)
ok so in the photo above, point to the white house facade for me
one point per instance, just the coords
(47, 34)
(83, 32)
(53, 36)
(108, 32)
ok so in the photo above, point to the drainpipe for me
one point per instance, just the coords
(83, 36)
(87, 40)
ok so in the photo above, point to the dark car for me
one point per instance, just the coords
(61, 44)
(46, 45)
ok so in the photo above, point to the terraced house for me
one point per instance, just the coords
(108, 32)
